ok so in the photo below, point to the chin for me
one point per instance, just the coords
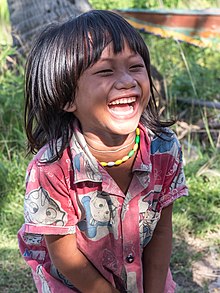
(127, 127)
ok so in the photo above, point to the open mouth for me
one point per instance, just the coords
(123, 106)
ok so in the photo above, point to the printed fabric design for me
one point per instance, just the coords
(76, 195)
(100, 211)
(148, 220)
(40, 208)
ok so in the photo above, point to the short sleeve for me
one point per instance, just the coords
(49, 204)
(168, 159)
(175, 183)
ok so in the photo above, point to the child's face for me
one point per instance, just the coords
(112, 94)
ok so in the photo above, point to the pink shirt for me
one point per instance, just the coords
(76, 195)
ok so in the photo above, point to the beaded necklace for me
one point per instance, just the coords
(129, 155)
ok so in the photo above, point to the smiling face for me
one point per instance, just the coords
(112, 94)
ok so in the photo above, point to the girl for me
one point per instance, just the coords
(99, 192)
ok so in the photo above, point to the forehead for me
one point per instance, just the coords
(109, 51)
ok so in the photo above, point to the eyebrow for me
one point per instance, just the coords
(112, 58)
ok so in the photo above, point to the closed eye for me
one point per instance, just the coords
(137, 66)
(104, 72)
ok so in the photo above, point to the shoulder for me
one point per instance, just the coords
(41, 166)
(165, 143)
(46, 155)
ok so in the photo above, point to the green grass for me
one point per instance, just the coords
(188, 72)
(196, 217)
(5, 28)
(15, 276)
(200, 212)
(183, 4)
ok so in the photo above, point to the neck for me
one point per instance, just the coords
(112, 150)
(117, 152)
(110, 144)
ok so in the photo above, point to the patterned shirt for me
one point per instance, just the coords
(75, 194)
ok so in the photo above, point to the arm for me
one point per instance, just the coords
(68, 259)
(156, 255)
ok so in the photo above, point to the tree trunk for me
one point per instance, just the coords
(28, 17)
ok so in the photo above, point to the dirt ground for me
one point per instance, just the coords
(203, 273)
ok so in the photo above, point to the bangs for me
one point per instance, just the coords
(99, 29)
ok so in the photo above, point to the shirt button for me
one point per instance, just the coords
(130, 258)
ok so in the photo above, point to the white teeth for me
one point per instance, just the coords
(123, 101)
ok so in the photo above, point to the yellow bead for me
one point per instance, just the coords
(118, 162)
(125, 158)
(135, 147)
(137, 131)
(130, 154)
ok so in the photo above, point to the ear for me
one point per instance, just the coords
(70, 107)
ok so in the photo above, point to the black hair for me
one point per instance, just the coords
(59, 56)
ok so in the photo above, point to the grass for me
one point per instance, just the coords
(184, 4)
(5, 29)
(15, 276)
(188, 72)
(200, 212)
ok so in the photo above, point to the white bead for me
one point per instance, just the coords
(110, 164)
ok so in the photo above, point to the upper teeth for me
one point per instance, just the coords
(123, 101)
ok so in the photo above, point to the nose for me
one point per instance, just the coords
(125, 81)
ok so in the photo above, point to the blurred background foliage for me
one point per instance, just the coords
(179, 4)
(188, 72)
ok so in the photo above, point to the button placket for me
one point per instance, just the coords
(130, 258)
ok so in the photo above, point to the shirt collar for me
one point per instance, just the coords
(86, 167)
(143, 162)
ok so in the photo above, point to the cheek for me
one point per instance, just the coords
(146, 89)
